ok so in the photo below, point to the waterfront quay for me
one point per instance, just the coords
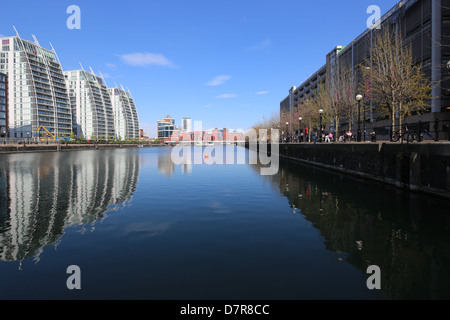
(55, 147)
(422, 167)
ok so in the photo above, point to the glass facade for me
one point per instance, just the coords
(92, 110)
(3, 105)
(166, 127)
(126, 121)
(37, 94)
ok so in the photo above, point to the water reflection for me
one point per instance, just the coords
(405, 234)
(42, 194)
(165, 163)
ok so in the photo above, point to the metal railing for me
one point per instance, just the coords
(422, 131)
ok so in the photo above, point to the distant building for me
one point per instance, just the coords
(166, 128)
(186, 125)
(3, 105)
(208, 136)
(37, 94)
(126, 122)
(91, 105)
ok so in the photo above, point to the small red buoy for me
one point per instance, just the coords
(206, 156)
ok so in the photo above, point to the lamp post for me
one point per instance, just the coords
(320, 124)
(300, 129)
(359, 98)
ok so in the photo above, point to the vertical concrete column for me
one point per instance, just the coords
(398, 169)
(436, 52)
(414, 171)
(448, 178)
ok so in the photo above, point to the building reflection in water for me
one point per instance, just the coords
(42, 194)
(405, 234)
(165, 163)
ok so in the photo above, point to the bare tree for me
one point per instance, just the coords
(341, 95)
(397, 86)
(309, 111)
(267, 123)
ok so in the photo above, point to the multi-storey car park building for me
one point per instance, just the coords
(37, 91)
(426, 26)
(3, 105)
(92, 109)
(126, 121)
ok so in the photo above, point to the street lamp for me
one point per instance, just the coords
(300, 129)
(359, 98)
(320, 124)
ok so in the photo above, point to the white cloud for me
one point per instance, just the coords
(145, 59)
(262, 92)
(2, 36)
(208, 106)
(217, 81)
(110, 65)
(261, 45)
(227, 96)
(106, 75)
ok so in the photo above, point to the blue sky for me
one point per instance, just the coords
(226, 63)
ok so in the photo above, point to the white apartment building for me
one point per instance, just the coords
(186, 125)
(126, 122)
(93, 116)
(37, 91)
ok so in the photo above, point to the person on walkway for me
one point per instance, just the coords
(349, 135)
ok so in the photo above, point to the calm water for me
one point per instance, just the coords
(140, 227)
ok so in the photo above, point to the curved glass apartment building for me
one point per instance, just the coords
(37, 91)
(3, 105)
(93, 116)
(126, 122)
